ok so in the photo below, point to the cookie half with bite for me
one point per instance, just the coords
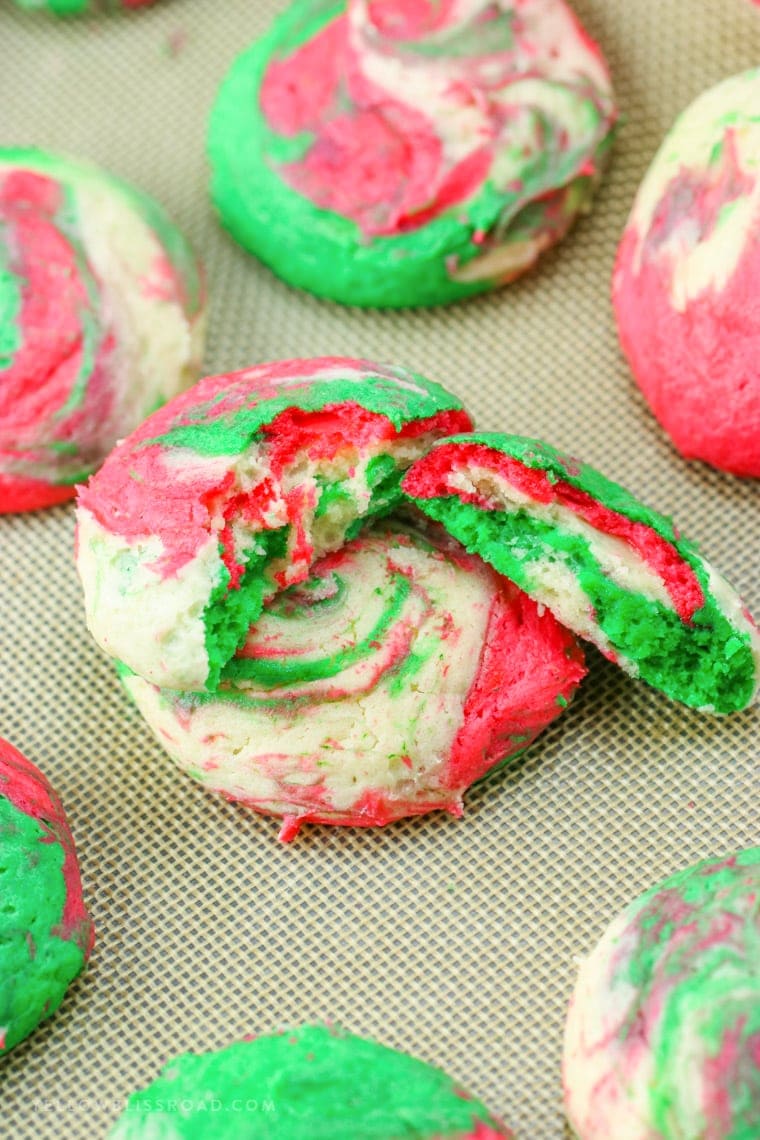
(609, 568)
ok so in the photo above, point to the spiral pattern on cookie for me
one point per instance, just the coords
(399, 673)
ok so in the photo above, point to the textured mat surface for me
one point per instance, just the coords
(454, 940)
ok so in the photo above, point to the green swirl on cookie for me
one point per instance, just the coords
(663, 1033)
(408, 154)
(609, 568)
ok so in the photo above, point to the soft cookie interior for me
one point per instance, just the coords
(322, 479)
(609, 568)
(231, 493)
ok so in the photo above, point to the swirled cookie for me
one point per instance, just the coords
(46, 934)
(402, 671)
(101, 320)
(687, 278)
(663, 1033)
(408, 152)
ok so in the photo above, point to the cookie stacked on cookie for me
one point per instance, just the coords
(285, 656)
(295, 658)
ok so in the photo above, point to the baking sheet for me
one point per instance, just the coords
(454, 940)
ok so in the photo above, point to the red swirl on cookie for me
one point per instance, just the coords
(687, 276)
(101, 318)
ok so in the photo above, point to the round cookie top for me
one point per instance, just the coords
(402, 671)
(231, 492)
(101, 320)
(46, 934)
(687, 277)
(663, 1033)
(408, 152)
(700, 198)
(308, 1083)
(608, 567)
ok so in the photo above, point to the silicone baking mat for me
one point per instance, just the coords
(457, 941)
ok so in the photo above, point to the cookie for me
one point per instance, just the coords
(101, 320)
(393, 154)
(402, 671)
(687, 277)
(46, 934)
(308, 1083)
(231, 492)
(663, 1031)
(608, 567)
(77, 7)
